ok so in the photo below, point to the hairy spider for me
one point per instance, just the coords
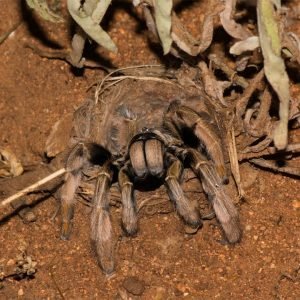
(141, 136)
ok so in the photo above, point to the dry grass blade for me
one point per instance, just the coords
(116, 79)
(32, 187)
(4, 36)
(234, 163)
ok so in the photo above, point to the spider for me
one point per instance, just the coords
(145, 134)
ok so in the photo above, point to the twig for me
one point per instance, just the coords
(9, 32)
(272, 165)
(219, 63)
(32, 187)
(100, 84)
(65, 55)
(233, 157)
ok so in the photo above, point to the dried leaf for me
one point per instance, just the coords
(41, 7)
(88, 18)
(213, 88)
(274, 66)
(184, 40)
(232, 28)
(9, 164)
(248, 44)
(162, 12)
(78, 41)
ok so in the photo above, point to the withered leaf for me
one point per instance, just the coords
(41, 7)
(88, 18)
(232, 28)
(9, 164)
(248, 44)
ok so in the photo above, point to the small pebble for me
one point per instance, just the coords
(248, 227)
(10, 262)
(133, 285)
(272, 266)
(20, 292)
(29, 217)
(296, 204)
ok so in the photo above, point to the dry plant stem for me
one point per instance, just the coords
(234, 163)
(292, 148)
(100, 84)
(65, 55)
(33, 187)
(263, 115)
(258, 147)
(9, 32)
(228, 71)
(243, 101)
(272, 165)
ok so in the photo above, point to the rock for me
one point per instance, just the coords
(20, 292)
(133, 285)
(296, 204)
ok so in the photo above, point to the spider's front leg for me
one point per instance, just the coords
(101, 227)
(129, 213)
(82, 156)
(77, 160)
(198, 130)
(186, 210)
(212, 184)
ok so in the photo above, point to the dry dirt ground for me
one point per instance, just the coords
(161, 262)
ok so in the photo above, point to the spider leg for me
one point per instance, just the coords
(182, 120)
(129, 214)
(101, 227)
(75, 163)
(185, 209)
(224, 208)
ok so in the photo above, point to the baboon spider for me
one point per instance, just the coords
(147, 138)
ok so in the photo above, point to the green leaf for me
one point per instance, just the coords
(41, 7)
(88, 18)
(274, 67)
(162, 12)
